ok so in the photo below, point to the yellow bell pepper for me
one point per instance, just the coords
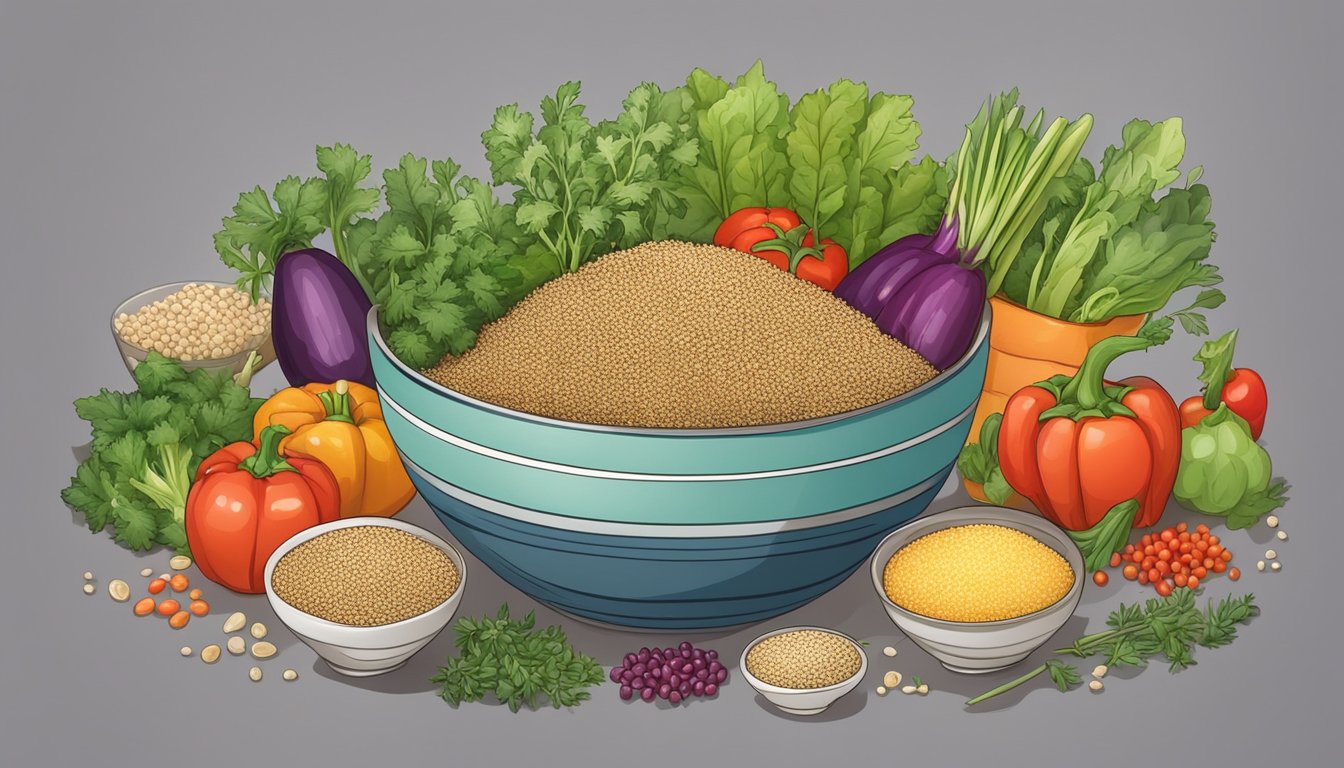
(341, 425)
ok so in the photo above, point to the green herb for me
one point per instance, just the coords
(518, 664)
(1105, 247)
(263, 228)
(979, 462)
(1170, 627)
(1194, 323)
(1216, 357)
(1108, 536)
(146, 446)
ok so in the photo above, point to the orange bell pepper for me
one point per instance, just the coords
(1079, 446)
(341, 425)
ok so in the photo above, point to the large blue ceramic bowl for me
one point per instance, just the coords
(675, 528)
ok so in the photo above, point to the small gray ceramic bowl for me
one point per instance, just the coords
(984, 646)
(133, 354)
(803, 701)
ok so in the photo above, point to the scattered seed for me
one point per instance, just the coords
(119, 590)
(179, 620)
(1100, 670)
(168, 607)
(909, 689)
(88, 575)
(179, 582)
(1095, 685)
(186, 650)
(235, 622)
(258, 630)
(1272, 521)
(88, 589)
(195, 594)
(237, 646)
(889, 651)
(881, 691)
(255, 674)
(1283, 535)
(263, 650)
(1276, 565)
(891, 679)
(199, 608)
(146, 572)
(180, 563)
(144, 606)
(923, 689)
(158, 585)
(165, 577)
(1270, 554)
(1234, 573)
(210, 654)
(290, 674)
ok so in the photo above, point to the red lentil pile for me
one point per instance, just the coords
(1175, 557)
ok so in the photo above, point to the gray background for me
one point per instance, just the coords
(128, 129)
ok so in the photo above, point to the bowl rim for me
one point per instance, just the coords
(765, 687)
(980, 340)
(312, 532)
(985, 514)
(259, 339)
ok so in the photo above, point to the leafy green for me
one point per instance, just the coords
(979, 462)
(146, 446)
(1224, 472)
(517, 663)
(1106, 247)
(1216, 357)
(1171, 627)
(1107, 536)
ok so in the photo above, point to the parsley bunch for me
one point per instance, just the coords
(1170, 627)
(146, 447)
(518, 664)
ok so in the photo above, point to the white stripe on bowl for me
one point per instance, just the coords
(608, 474)
(666, 530)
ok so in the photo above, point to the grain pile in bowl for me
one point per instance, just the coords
(977, 572)
(804, 659)
(198, 322)
(671, 334)
(365, 576)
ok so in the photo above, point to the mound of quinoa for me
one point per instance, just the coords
(677, 335)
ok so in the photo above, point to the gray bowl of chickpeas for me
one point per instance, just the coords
(199, 323)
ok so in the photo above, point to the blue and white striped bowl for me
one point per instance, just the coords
(675, 528)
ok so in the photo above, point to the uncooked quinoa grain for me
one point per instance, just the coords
(365, 576)
(976, 573)
(803, 658)
(671, 334)
(198, 322)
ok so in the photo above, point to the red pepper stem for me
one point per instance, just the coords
(1087, 388)
(267, 460)
(336, 401)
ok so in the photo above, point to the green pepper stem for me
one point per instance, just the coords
(1087, 388)
(336, 401)
(267, 460)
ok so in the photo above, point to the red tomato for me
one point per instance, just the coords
(779, 236)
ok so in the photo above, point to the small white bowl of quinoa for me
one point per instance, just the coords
(365, 593)
(803, 670)
(199, 323)
(979, 588)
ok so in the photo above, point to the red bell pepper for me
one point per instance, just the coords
(779, 236)
(247, 500)
(1077, 447)
(1241, 388)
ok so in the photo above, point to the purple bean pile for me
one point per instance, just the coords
(673, 674)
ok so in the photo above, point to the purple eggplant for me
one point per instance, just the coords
(869, 287)
(318, 320)
(937, 312)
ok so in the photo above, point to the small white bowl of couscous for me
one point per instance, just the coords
(365, 593)
(803, 670)
(200, 324)
(979, 588)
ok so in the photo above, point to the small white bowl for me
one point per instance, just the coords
(803, 701)
(134, 354)
(366, 651)
(982, 646)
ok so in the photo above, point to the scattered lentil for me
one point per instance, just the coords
(235, 622)
(891, 679)
(889, 651)
(1100, 670)
(1260, 565)
(923, 689)
(198, 322)
(1282, 535)
(179, 582)
(909, 689)
(195, 594)
(258, 630)
(179, 620)
(1096, 685)
(1276, 565)
(263, 650)
(881, 691)
(1175, 557)
(179, 563)
(975, 573)
(186, 650)
(1272, 521)
(255, 674)
(236, 646)
(144, 606)
(290, 674)
(146, 572)
(365, 576)
(88, 575)
(210, 653)
(88, 589)
(119, 590)
(670, 334)
(1270, 554)
(199, 608)
(158, 585)
(168, 607)
(804, 659)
